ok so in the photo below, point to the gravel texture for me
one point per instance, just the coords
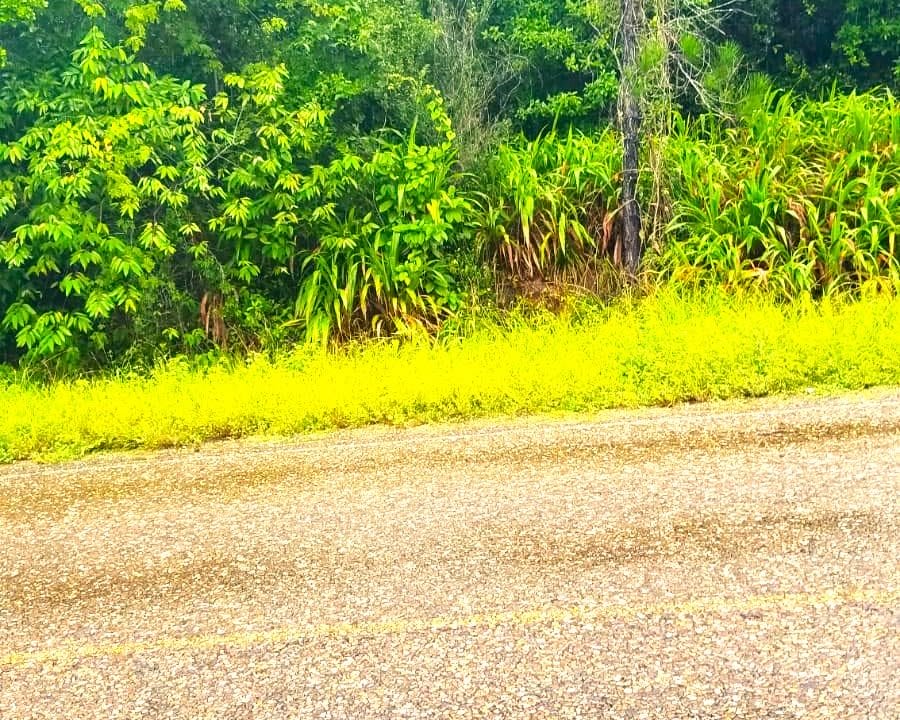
(728, 561)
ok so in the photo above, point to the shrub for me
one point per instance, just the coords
(381, 264)
(94, 194)
(797, 197)
(549, 204)
(120, 186)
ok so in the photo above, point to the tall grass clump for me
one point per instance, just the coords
(796, 197)
(549, 203)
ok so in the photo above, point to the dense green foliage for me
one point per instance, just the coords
(798, 198)
(549, 203)
(181, 174)
(853, 43)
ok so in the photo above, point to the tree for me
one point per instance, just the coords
(668, 56)
(629, 125)
(813, 45)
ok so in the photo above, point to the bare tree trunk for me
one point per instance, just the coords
(630, 126)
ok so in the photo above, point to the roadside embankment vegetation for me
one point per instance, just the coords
(230, 218)
(669, 348)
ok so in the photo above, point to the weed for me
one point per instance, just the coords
(663, 349)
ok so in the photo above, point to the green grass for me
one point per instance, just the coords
(662, 350)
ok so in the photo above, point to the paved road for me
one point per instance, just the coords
(704, 562)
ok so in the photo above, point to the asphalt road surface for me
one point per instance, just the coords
(730, 561)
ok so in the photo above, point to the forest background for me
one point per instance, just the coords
(180, 177)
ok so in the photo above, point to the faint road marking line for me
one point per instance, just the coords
(512, 618)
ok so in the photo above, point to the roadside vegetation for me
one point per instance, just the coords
(229, 218)
(666, 349)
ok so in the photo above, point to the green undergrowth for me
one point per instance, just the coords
(662, 350)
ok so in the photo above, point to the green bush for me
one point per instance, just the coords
(382, 263)
(119, 187)
(95, 193)
(549, 203)
(248, 174)
(797, 197)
